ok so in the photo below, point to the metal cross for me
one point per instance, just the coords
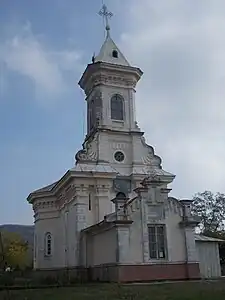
(106, 16)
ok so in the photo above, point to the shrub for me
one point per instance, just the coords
(48, 280)
(7, 279)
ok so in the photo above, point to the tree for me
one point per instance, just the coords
(211, 210)
(15, 250)
(2, 259)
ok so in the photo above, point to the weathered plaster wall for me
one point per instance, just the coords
(175, 234)
(51, 224)
(103, 247)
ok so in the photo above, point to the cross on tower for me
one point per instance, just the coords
(106, 14)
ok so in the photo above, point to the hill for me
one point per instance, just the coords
(25, 231)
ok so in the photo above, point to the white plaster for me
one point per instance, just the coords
(62, 208)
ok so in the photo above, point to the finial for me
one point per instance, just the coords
(93, 58)
(106, 16)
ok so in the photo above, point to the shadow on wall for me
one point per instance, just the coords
(223, 269)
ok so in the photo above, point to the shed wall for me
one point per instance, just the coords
(209, 259)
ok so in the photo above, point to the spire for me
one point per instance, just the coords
(109, 52)
(106, 16)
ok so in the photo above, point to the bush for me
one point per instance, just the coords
(48, 280)
(6, 279)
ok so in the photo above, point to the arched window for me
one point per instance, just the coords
(117, 107)
(48, 244)
(121, 195)
(115, 54)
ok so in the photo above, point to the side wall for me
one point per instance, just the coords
(101, 248)
(209, 259)
(51, 225)
(174, 235)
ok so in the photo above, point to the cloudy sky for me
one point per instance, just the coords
(44, 48)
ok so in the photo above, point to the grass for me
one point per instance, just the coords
(168, 291)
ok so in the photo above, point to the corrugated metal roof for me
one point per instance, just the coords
(203, 238)
(105, 54)
(47, 188)
(145, 171)
(99, 168)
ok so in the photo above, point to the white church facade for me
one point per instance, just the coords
(111, 214)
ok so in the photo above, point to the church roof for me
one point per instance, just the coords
(110, 53)
(97, 168)
(203, 238)
(47, 188)
(145, 171)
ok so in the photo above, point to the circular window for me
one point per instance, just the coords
(119, 156)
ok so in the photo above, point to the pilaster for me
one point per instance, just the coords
(103, 202)
(190, 244)
(189, 223)
(142, 197)
(123, 239)
(81, 215)
(81, 209)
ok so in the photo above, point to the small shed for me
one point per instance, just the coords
(208, 256)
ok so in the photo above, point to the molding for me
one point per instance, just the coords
(114, 74)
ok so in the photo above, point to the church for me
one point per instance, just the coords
(111, 214)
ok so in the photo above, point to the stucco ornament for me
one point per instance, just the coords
(150, 158)
(89, 151)
(152, 178)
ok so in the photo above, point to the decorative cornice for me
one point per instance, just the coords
(44, 204)
(101, 66)
(109, 74)
(188, 222)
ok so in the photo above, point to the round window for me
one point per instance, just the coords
(119, 156)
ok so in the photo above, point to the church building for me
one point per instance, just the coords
(111, 215)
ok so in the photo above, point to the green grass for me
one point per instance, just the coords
(178, 291)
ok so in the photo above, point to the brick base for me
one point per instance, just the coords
(127, 273)
(141, 273)
(158, 272)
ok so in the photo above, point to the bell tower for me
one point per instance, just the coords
(109, 84)
(113, 138)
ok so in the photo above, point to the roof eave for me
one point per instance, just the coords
(39, 194)
(98, 65)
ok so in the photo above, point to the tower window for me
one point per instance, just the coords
(117, 107)
(115, 54)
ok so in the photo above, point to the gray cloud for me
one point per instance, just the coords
(27, 54)
(180, 47)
